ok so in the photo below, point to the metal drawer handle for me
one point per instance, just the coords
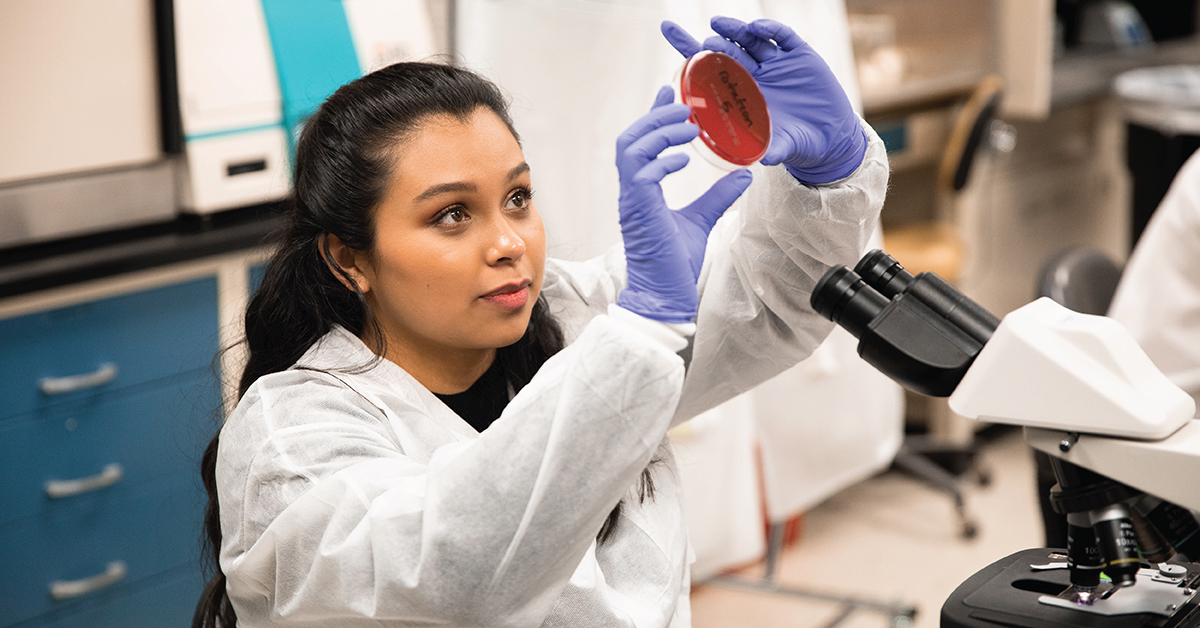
(67, 589)
(111, 474)
(59, 385)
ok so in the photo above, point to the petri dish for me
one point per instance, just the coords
(729, 108)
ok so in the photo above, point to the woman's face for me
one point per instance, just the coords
(459, 247)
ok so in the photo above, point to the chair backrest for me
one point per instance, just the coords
(967, 134)
(1081, 279)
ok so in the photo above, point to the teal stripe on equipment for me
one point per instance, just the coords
(314, 55)
(223, 132)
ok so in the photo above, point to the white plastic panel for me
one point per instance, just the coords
(235, 170)
(79, 86)
(1165, 468)
(1046, 366)
(226, 68)
(387, 31)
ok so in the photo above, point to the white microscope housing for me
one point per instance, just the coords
(1121, 436)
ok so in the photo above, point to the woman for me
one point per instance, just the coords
(437, 425)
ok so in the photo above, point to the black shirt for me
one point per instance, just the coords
(482, 403)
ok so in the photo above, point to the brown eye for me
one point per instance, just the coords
(519, 200)
(451, 216)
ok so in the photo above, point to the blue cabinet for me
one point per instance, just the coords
(145, 607)
(257, 272)
(108, 406)
(77, 352)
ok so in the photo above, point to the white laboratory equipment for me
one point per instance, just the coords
(79, 120)
(1122, 437)
(250, 72)
(235, 146)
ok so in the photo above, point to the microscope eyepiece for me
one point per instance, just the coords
(844, 298)
(882, 272)
(920, 331)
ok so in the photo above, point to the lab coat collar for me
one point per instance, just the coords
(342, 352)
(379, 380)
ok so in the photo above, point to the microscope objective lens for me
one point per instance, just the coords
(1083, 553)
(1177, 525)
(1118, 543)
(1151, 546)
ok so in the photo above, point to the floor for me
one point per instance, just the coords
(889, 539)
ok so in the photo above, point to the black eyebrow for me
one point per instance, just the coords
(443, 188)
(518, 171)
(462, 186)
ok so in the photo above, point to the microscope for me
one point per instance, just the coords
(1125, 450)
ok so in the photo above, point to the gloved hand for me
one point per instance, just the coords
(815, 132)
(664, 248)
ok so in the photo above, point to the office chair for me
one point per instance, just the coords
(1080, 279)
(937, 247)
(1084, 280)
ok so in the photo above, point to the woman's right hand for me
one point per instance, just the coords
(815, 132)
(664, 248)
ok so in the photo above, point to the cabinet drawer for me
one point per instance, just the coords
(168, 601)
(257, 272)
(151, 432)
(106, 345)
(155, 529)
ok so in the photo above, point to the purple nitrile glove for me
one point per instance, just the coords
(664, 248)
(815, 132)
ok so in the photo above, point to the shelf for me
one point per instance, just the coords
(921, 94)
(1083, 75)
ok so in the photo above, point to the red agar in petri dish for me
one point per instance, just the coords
(728, 107)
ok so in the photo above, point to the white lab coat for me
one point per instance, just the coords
(351, 496)
(594, 67)
(1158, 297)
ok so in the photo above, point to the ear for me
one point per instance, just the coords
(345, 263)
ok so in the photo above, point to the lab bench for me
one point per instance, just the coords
(110, 375)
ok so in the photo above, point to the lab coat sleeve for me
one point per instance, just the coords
(327, 521)
(763, 260)
(764, 257)
(1158, 297)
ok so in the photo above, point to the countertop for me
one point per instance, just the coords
(1081, 75)
(63, 262)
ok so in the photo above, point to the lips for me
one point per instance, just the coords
(512, 296)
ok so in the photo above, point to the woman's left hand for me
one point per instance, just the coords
(815, 133)
(664, 248)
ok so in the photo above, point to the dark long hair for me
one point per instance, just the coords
(344, 158)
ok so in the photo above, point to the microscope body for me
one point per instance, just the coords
(1125, 447)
